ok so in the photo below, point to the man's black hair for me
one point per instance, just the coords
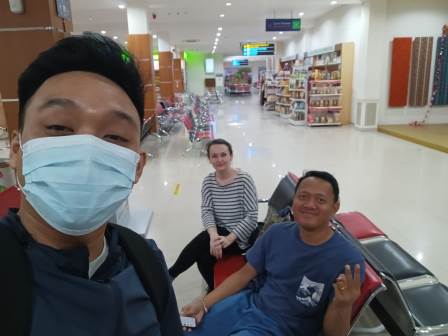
(219, 142)
(323, 176)
(89, 52)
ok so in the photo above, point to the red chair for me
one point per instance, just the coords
(359, 225)
(293, 177)
(371, 287)
(10, 198)
(227, 266)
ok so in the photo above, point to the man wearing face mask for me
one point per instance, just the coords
(65, 270)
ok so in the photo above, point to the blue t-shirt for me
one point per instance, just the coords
(298, 278)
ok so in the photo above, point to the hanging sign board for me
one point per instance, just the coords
(258, 48)
(240, 62)
(283, 24)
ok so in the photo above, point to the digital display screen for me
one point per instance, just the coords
(258, 49)
(209, 65)
(243, 62)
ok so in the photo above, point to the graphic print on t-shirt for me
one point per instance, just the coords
(309, 292)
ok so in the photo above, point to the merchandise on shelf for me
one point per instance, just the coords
(324, 102)
(283, 104)
(298, 91)
(270, 94)
(329, 91)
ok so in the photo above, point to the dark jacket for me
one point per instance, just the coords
(113, 302)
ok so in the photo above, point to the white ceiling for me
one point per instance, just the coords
(199, 19)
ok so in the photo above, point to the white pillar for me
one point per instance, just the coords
(164, 41)
(375, 47)
(371, 54)
(137, 20)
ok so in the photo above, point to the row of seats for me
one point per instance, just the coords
(415, 302)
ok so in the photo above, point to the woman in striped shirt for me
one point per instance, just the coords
(229, 214)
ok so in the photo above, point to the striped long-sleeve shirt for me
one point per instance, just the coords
(233, 206)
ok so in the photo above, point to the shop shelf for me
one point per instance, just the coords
(326, 81)
(323, 108)
(324, 124)
(325, 94)
(324, 65)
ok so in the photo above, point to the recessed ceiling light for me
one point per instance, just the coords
(274, 38)
(218, 34)
(281, 33)
(334, 2)
(221, 15)
(103, 32)
(115, 37)
(154, 36)
(219, 28)
(228, 4)
(301, 14)
(216, 39)
(121, 6)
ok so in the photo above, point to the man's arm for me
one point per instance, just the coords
(233, 284)
(338, 315)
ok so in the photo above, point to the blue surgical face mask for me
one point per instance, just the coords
(76, 183)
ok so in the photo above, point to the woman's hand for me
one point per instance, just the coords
(228, 240)
(216, 247)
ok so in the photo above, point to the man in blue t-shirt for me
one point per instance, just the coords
(308, 285)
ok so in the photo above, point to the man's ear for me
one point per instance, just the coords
(15, 151)
(336, 207)
(140, 165)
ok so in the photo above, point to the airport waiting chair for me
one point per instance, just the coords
(9, 199)
(415, 302)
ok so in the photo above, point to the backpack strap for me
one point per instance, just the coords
(15, 285)
(148, 267)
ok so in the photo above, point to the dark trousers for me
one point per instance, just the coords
(198, 251)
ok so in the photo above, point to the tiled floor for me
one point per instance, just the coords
(401, 186)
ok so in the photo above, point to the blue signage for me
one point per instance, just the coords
(283, 24)
(258, 49)
(238, 63)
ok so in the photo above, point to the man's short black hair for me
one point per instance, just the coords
(323, 175)
(89, 52)
(219, 142)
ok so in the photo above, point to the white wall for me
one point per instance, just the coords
(413, 18)
(195, 72)
(372, 27)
